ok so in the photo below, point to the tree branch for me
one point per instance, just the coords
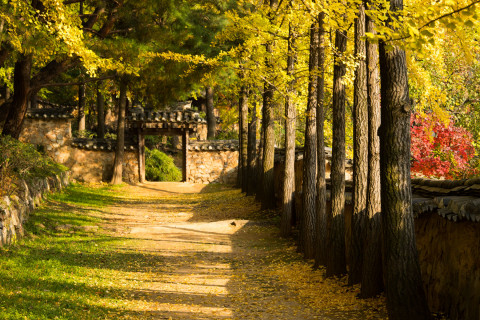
(67, 84)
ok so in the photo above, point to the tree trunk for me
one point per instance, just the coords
(258, 195)
(117, 177)
(211, 121)
(81, 107)
(372, 274)
(21, 93)
(244, 134)
(336, 264)
(240, 142)
(100, 114)
(321, 214)
(290, 125)
(310, 151)
(360, 153)
(252, 152)
(404, 290)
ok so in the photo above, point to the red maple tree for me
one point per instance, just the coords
(439, 150)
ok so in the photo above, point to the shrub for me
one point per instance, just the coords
(160, 167)
(22, 161)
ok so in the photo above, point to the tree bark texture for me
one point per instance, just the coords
(100, 114)
(252, 152)
(372, 273)
(268, 121)
(244, 138)
(336, 263)
(360, 152)
(404, 290)
(119, 151)
(240, 143)
(258, 195)
(18, 108)
(290, 125)
(211, 121)
(321, 202)
(81, 107)
(310, 151)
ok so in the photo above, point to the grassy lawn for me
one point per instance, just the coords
(65, 268)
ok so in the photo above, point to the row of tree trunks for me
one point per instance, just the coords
(290, 124)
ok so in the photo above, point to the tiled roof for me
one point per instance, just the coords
(101, 144)
(166, 116)
(47, 110)
(213, 145)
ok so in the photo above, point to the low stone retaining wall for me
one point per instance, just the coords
(15, 209)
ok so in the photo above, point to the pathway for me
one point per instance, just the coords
(220, 260)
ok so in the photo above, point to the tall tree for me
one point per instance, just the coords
(100, 113)
(268, 122)
(405, 294)
(310, 151)
(211, 121)
(360, 152)
(290, 125)
(243, 106)
(117, 176)
(252, 151)
(372, 273)
(336, 263)
(321, 210)
(81, 107)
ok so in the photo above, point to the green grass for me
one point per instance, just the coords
(68, 273)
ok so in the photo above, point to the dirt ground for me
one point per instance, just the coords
(221, 258)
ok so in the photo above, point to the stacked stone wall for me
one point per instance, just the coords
(212, 166)
(55, 137)
(15, 209)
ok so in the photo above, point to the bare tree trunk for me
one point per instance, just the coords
(372, 275)
(405, 294)
(336, 262)
(211, 121)
(290, 124)
(258, 195)
(100, 114)
(243, 137)
(81, 107)
(252, 152)
(321, 214)
(117, 177)
(21, 93)
(268, 191)
(240, 142)
(310, 151)
(360, 152)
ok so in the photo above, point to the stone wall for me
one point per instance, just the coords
(212, 166)
(15, 209)
(55, 135)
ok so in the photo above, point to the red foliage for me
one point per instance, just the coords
(439, 150)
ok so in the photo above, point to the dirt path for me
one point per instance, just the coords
(210, 254)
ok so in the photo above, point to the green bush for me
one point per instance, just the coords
(22, 161)
(160, 167)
